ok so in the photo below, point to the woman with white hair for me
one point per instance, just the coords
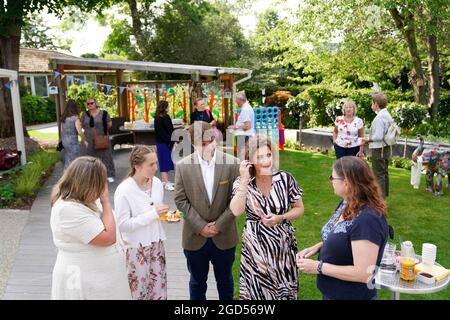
(348, 132)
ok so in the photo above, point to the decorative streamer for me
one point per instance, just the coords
(211, 101)
(184, 106)
(173, 104)
(146, 106)
(223, 108)
(129, 102)
(133, 106)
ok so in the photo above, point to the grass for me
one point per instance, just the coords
(415, 215)
(44, 136)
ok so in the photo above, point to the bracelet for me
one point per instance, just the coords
(319, 267)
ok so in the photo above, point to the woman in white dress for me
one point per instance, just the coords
(89, 265)
(138, 204)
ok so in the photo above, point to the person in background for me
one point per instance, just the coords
(244, 127)
(201, 113)
(90, 265)
(70, 130)
(353, 239)
(98, 120)
(203, 185)
(381, 152)
(271, 200)
(348, 132)
(138, 204)
(164, 144)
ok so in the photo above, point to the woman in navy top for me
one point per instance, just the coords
(353, 239)
(201, 113)
(164, 144)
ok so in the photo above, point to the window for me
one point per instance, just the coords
(40, 86)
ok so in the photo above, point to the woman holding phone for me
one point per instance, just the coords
(271, 200)
(139, 204)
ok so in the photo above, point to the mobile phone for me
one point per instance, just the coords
(252, 170)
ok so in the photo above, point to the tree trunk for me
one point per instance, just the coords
(417, 76)
(9, 59)
(300, 131)
(137, 17)
(433, 67)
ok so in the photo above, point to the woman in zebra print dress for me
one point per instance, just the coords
(271, 200)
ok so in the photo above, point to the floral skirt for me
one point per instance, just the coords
(147, 275)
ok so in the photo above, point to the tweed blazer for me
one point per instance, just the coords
(192, 199)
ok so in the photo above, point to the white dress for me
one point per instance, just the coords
(83, 271)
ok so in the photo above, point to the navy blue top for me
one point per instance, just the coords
(204, 115)
(337, 250)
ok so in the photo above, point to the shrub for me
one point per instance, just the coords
(438, 128)
(7, 193)
(399, 162)
(318, 96)
(408, 115)
(444, 106)
(28, 181)
(37, 110)
(81, 93)
(296, 107)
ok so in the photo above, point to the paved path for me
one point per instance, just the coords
(31, 274)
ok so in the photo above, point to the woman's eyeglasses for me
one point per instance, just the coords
(331, 178)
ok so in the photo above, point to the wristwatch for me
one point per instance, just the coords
(319, 267)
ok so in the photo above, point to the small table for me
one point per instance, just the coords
(393, 283)
(145, 135)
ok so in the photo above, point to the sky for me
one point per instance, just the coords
(90, 39)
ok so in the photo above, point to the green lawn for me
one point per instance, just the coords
(415, 215)
(45, 137)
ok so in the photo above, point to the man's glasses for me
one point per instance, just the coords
(331, 178)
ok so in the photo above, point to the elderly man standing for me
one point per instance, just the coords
(381, 152)
(244, 127)
(203, 188)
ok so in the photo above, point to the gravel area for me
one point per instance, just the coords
(12, 223)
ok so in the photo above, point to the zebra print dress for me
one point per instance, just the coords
(268, 270)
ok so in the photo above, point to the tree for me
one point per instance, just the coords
(178, 31)
(12, 19)
(36, 35)
(366, 40)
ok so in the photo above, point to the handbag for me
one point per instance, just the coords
(100, 142)
(60, 146)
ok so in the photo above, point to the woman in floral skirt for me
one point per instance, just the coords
(138, 205)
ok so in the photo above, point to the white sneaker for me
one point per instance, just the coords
(169, 186)
(110, 179)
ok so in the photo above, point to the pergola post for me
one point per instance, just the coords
(17, 111)
(121, 97)
(61, 97)
(228, 87)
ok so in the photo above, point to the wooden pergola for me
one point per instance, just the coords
(63, 65)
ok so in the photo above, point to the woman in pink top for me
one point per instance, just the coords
(348, 132)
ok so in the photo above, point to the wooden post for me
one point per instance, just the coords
(61, 98)
(228, 87)
(121, 97)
